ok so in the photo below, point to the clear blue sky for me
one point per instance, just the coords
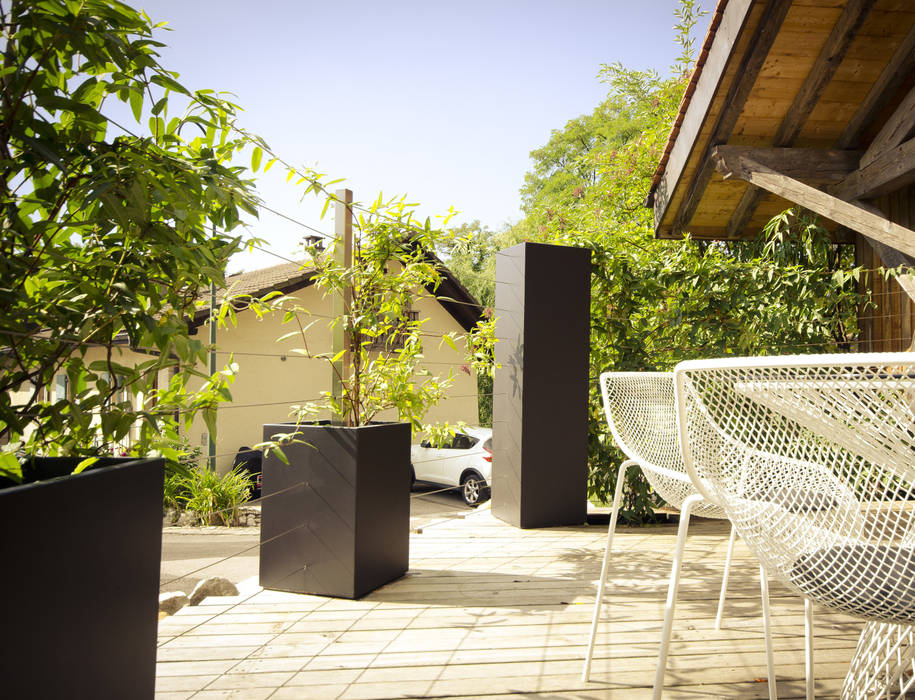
(439, 100)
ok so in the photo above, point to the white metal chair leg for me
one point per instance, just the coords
(598, 603)
(724, 579)
(808, 647)
(672, 593)
(767, 632)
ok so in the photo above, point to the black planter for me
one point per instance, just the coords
(540, 394)
(335, 521)
(80, 584)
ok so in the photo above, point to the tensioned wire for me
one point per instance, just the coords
(262, 499)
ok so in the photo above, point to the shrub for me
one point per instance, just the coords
(214, 499)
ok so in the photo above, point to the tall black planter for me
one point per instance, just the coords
(335, 521)
(540, 404)
(80, 583)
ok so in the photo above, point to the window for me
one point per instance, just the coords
(463, 442)
(395, 339)
(60, 387)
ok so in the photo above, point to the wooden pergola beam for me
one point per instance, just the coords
(891, 257)
(855, 215)
(892, 170)
(813, 165)
(894, 131)
(827, 62)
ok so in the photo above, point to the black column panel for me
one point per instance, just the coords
(540, 404)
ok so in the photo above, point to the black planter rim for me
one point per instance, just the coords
(103, 463)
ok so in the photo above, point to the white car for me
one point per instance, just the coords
(466, 463)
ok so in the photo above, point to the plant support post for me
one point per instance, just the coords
(211, 447)
(343, 251)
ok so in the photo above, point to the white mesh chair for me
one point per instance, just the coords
(813, 458)
(641, 412)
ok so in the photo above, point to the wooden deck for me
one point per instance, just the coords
(489, 611)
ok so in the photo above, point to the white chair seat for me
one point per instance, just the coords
(880, 580)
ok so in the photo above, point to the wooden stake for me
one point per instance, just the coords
(343, 252)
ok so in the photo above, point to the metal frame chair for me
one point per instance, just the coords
(641, 412)
(813, 459)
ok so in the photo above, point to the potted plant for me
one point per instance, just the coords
(108, 241)
(335, 508)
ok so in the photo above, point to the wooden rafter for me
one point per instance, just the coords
(892, 170)
(856, 215)
(892, 77)
(766, 30)
(894, 131)
(824, 68)
(827, 62)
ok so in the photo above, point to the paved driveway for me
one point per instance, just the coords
(190, 554)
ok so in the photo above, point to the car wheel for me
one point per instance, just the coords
(474, 489)
(412, 477)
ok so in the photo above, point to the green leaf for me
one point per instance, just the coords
(256, 156)
(136, 103)
(10, 467)
(85, 464)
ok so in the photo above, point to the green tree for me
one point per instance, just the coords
(655, 302)
(472, 258)
(111, 230)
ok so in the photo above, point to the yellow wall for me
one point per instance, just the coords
(127, 357)
(271, 377)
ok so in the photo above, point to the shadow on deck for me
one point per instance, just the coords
(490, 611)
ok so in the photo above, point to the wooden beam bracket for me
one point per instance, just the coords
(892, 170)
(858, 216)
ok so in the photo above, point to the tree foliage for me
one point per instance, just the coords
(656, 302)
(379, 367)
(112, 226)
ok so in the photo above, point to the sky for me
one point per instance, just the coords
(438, 100)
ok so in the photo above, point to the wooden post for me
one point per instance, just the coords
(343, 252)
(211, 443)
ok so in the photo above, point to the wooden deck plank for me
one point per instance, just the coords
(491, 611)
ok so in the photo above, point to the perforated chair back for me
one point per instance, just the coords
(813, 458)
(641, 412)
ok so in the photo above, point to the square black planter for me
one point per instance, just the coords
(80, 579)
(335, 521)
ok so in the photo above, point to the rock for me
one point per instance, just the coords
(186, 519)
(170, 603)
(249, 516)
(212, 586)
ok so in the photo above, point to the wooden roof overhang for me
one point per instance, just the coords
(795, 102)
